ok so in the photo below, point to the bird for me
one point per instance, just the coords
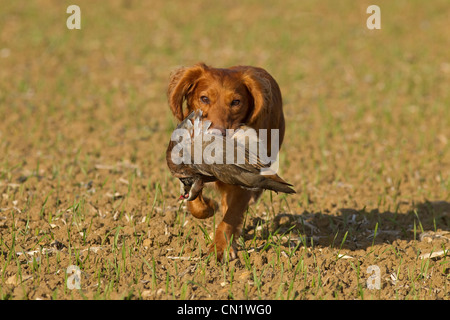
(206, 158)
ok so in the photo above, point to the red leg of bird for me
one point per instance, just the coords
(234, 205)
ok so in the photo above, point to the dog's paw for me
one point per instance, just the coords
(223, 252)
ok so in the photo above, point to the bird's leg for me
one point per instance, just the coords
(196, 188)
(202, 207)
(234, 204)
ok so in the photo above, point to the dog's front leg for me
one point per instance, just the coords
(202, 207)
(234, 205)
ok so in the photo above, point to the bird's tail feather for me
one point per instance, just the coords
(275, 183)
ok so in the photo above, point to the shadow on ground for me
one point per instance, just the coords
(358, 229)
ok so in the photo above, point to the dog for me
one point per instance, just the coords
(228, 98)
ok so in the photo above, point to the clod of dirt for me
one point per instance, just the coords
(58, 245)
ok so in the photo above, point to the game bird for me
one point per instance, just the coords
(194, 168)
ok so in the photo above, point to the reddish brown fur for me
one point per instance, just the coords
(260, 107)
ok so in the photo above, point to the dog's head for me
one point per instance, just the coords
(227, 97)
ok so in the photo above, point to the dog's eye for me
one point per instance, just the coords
(204, 99)
(235, 103)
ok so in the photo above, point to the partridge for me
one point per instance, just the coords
(204, 159)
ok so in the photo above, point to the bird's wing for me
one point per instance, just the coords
(251, 157)
(206, 125)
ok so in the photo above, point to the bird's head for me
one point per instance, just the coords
(190, 188)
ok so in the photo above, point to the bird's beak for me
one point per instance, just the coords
(184, 196)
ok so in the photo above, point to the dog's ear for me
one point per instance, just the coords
(182, 82)
(258, 83)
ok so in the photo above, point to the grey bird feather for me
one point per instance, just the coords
(193, 175)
